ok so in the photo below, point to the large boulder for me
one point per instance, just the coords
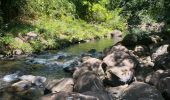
(141, 91)
(116, 91)
(88, 82)
(89, 64)
(119, 67)
(117, 47)
(142, 72)
(130, 40)
(161, 80)
(65, 85)
(133, 39)
(157, 52)
(162, 62)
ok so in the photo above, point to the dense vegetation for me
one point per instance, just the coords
(61, 22)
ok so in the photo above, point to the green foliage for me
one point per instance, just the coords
(9, 44)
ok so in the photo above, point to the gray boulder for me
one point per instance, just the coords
(65, 84)
(156, 52)
(88, 82)
(89, 64)
(141, 91)
(161, 80)
(119, 67)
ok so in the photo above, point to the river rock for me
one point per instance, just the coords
(141, 91)
(161, 80)
(116, 91)
(65, 85)
(11, 77)
(114, 48)
(71, 63)
(162, 50)
(21, 86)
(37, 80)
(68, 96)
(89, 64)
(88, 82)
(142, 72)
(162, 62)
(119, 67)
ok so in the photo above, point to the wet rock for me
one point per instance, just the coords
(58, 56)
(94, 54)
(67, 96)
(37, 61)
(65, 85)
(37, 80)
(21, 86)
(88, 82)
(162, 50)
(11, 77)
(116, 91)
(141, 91)
(89, 64)
(71, 63)
(92, 51)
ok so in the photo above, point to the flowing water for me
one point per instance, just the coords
(51, 64)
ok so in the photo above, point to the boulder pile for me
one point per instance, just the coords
(133, 69)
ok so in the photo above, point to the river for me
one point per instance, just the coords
(50, 64)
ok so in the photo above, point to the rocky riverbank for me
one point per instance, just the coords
(137, 68)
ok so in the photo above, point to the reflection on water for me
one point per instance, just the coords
(99, 45)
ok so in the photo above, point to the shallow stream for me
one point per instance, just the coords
(51, 63)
